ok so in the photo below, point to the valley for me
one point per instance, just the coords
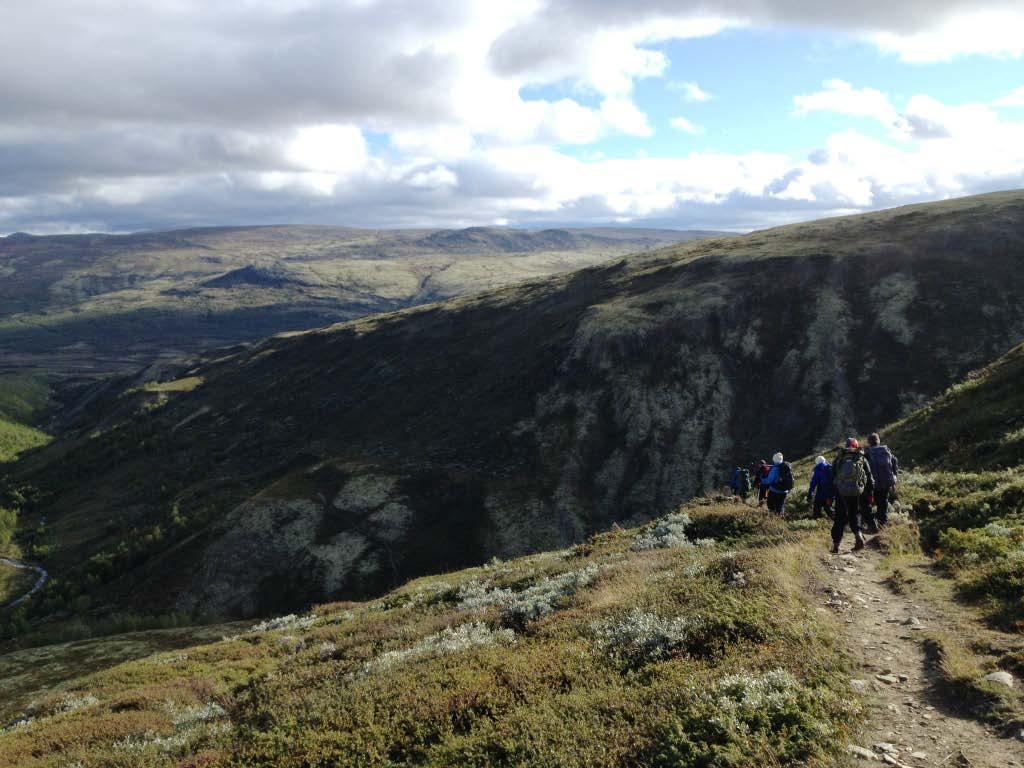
(347, 460)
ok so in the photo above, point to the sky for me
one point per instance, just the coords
(123, 115)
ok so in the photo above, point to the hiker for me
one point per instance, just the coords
(760, 473)
(779, 483)
(822, 488)
(740, 483)
(884, 469)
(853, 482)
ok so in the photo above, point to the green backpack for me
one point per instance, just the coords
(851, 478)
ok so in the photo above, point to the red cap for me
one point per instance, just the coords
(852, 442)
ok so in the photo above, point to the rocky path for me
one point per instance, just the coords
(43, 576)
(906, 723)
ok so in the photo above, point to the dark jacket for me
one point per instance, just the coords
(740, 482)
(756, 474)
(884, 466)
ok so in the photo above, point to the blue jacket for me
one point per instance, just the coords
(772, 478)
(823, 482)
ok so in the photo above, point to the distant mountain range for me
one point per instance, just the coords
(340, 462)
(91, 304)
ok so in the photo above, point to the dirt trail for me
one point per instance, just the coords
(906, 723)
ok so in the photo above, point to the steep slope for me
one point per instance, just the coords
(966, 485)
(978, 424)
(343, 461)
(88, 304)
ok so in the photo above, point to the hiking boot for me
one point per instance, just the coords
(835, 548)
(860, 542)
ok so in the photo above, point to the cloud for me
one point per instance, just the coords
(692, 92)
(1013, 99)
(842, 98)
(994, 32)
(686, 126)
(126, 115)
(923, 117)
(337, 149)
(623, 115)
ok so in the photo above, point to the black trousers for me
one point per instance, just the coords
(882, 493)
(867, 514)
(819, 505)
(776, 502)
(847, 514)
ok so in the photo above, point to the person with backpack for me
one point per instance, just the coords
(779, 483)
(853, 483)
(884, 469)
(822, 488)
(740, 483)
(760, 474)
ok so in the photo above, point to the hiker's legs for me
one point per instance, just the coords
(846, 514)
(867, 513)
(882, 502)
(776, 502)
(819, 506)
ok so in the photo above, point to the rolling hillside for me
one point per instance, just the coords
(341, 462)
(91, 304)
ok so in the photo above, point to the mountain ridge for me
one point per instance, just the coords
(97, 303)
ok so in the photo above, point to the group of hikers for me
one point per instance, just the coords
(854, 490)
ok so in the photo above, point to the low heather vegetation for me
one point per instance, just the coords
(600, 655)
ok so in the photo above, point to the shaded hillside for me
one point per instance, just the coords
(90, 304)
(343, 461)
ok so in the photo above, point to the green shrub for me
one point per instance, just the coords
(749, 720)
(960, 550)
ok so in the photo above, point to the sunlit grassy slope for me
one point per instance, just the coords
(15, 438)
(689, 642)
(21, 399)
